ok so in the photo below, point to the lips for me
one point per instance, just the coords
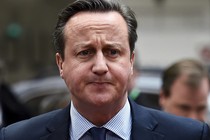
(100, 80)
(100, 83)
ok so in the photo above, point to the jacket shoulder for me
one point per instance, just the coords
(32, 128)
(179, 127)
(167, 125)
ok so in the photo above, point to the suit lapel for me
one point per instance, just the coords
(58, 127)
(143, 124)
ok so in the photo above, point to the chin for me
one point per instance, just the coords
(102, 100)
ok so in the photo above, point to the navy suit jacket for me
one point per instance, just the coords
(147, 124)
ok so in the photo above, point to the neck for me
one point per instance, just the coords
(100, 115)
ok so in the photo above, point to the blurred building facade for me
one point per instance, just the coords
(168, 30)
(26, 28)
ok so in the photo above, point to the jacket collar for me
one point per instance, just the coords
(58, 126)
(143, 125)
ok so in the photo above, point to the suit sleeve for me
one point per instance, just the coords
(1, 133)
(206, 132)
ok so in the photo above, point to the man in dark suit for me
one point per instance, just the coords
(95, 52)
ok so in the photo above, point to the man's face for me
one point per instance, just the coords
(97, 64)
(186, 101)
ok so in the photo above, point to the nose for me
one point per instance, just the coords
(100, 64)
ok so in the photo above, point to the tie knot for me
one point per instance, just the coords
(98, 133)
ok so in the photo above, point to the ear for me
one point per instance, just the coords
(59, 62)
(132, 59)
(162, 99)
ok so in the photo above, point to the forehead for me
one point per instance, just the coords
(183, 92)
(93, 20)
(96, 15)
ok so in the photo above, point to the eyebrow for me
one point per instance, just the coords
(115, 44)
(107, 43)
(184, 106)
(83, 44)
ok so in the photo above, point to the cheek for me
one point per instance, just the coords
(121, 72)
(170, 104)
(71, 74)
(68, 76)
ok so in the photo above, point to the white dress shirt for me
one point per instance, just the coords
(119, 126)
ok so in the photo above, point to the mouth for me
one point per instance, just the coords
(100, 83)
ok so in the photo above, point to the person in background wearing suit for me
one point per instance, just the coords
(95, 42)
(11, 109)
(185, 89)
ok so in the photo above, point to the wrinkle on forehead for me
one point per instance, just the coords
(95, 17)
(94, 27)
(96, 23)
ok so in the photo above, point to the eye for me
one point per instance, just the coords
(85, 53)
(184, 107)
(201, 108)
(112, 53)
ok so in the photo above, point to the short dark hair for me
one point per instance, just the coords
(194, 70)
(94, 6)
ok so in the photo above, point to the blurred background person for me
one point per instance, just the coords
(144, 86)
(12, 110)
(185, 89)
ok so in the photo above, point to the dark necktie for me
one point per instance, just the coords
(98, 133)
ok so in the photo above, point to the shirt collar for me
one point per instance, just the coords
(79, 125)
(120, 124)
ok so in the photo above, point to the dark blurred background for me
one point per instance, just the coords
(26, 28)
